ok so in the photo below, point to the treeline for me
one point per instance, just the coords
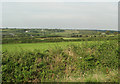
(35, 40)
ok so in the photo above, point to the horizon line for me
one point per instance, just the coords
(55, 28)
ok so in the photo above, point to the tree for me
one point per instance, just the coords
(107, 32)
(80, 35)
(115, 33)
(99, 33)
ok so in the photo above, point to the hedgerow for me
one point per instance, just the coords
(56, 63)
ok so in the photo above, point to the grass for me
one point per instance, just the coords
(96, 76)
(41, 46)
(32, 46)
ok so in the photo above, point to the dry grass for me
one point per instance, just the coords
(96, 76)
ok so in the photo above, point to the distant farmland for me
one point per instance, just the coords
(60, 56)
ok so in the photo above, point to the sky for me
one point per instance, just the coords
(59, 0)
(82, 15)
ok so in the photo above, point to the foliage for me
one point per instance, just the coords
(56, 63)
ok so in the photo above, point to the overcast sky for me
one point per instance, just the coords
(59, 0)
(83, 15)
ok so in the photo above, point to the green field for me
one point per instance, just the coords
(32, 46)
(43, 46)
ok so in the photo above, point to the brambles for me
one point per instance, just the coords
(80, 59)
